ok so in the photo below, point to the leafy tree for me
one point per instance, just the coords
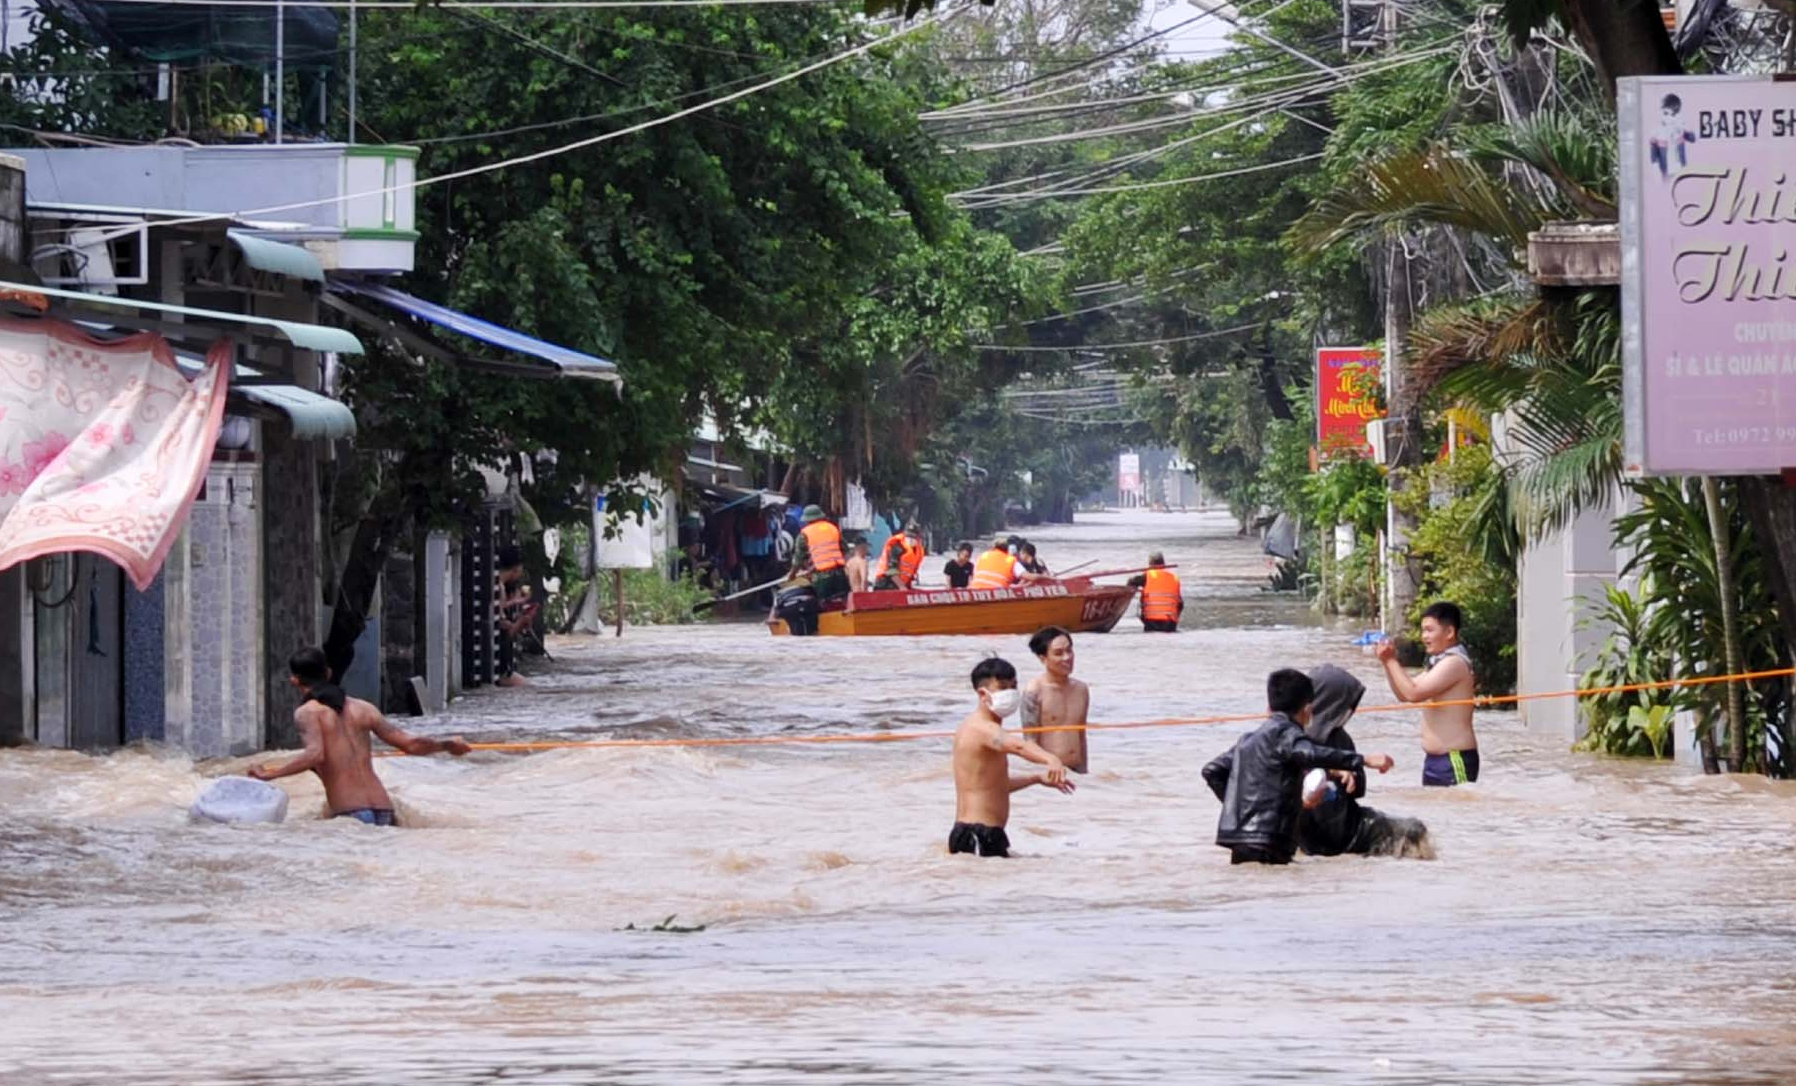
(60, 82)
(785, 260)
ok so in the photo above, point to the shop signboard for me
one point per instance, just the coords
(1708, 236)
(1128, 473)
(1347, 383)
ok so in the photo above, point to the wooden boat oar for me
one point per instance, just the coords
(1117, 572)
(1081, 565)
(703, 604)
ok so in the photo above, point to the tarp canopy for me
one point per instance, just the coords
(561, 361)
(236, 35)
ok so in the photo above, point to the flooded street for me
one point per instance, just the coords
(1587, 921)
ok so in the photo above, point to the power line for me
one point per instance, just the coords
(1121, 346)
(995, 199)
(537, 46)
(510, 5)
(973, 104)
(590, 141)
(1283, 98)
(1257, 168)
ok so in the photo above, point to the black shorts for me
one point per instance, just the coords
(1248, 854)
(1160, 625)
(979, 839)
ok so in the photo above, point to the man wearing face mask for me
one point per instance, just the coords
(982, 778)
(1260, 779)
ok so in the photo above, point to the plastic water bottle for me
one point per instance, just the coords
(1318, 788)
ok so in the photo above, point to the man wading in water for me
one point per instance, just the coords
(335, 728)
(982, 780)
(1055, 699)
(1448, 740)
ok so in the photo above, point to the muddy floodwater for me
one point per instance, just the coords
(1587, 920)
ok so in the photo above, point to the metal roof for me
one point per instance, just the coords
(311, 337)
(312, 416)
(264, 254)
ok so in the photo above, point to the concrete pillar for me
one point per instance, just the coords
(293, 537)
(438, 621)
(18, 718)
(1560, 584)
(12, 210)
(399, 634)
(220, 711)
(17, 701)
(290, 576)
(145, 663)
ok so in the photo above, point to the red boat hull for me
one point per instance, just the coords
(1076, 605)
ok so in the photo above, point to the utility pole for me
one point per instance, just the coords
(352, 63)
(280, 69)
(1403, 433)
(1403, 426)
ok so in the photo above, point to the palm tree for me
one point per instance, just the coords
(1550, 363)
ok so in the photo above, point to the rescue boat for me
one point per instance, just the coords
(1077, 604)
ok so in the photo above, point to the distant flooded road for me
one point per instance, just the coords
(1588, 921)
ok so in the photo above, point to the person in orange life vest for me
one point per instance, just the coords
(818, 552)
(1162, 601)
(902, 559)
(998, 568)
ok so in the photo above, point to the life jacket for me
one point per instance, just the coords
(1160, 596)
(824, 541)
(995, 569)
(910, 560)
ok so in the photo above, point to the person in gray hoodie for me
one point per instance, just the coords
(1339, 824)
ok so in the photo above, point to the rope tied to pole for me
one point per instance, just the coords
(1482, 701)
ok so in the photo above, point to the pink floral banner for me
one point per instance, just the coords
(103, 445)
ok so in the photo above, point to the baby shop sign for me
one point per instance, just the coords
(1708, 232)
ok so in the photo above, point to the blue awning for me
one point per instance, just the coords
(565, 360)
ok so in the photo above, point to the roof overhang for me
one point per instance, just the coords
(182, 322)
(264, 254)
(311, 416)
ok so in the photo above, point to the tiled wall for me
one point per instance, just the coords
(399, 657)
(222, 712)
(145, 708)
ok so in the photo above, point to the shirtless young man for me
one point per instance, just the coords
(857, 566)
(1056, 699)
(982, 778)
(335, 729)
(1447, 737)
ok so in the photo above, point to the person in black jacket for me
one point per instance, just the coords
(1338, 823)
(1260, 779)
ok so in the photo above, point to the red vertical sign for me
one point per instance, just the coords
(1347, 384)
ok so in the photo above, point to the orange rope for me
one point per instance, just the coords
(1166, 722)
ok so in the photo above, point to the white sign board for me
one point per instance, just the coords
(623, 540)
(1128, 472)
